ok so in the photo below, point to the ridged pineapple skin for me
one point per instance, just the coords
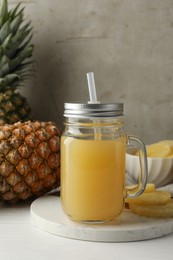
(13, 108)
(29, 160)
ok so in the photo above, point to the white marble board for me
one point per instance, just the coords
(47, 214)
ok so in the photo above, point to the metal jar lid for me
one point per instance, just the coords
(96, 110)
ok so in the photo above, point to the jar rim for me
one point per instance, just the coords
(95, 110)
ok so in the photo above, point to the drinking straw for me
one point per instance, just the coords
(93, 100)
(92, 88)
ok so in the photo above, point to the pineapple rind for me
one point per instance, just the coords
(28, 169)
(13, 108)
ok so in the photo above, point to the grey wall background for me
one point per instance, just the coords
(128, 44)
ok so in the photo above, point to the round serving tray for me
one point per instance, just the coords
(47, 214)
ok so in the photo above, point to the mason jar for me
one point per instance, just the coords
(93, 154)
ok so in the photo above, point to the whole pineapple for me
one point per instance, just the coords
(29, 159)
(15, 54)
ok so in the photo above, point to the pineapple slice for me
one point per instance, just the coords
(159, 150)
(154, 211)
(149, 187)
(162, 149)
(152, 203)
(150, 198)
(170, 142)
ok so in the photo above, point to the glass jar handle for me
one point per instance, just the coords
(143, 175)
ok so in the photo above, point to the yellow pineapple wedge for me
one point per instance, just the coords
(29, 159)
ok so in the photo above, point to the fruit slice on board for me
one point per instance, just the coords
(159, 150)
(153, 211)
(150, 198)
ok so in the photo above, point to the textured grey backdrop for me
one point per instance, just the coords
(128, 44)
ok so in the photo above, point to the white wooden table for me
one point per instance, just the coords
(21, 240)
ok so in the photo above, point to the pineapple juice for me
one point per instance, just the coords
(92, 178)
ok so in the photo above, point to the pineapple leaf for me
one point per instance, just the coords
(25, 64)
(1, 22)
(26, 76)
(23, 73)
(4, 31)
(25, 43)
(17, 40)
(14, 84)
(22, 33)
(14, 63)
(21, 11)
(3, 11)
(10, 81)
(15, 24)
(2, 84)
(6, 43)
(13, 12)
(2, 81)
(26, 27)
(3, 61)
(1, 52)
(25, 53)
(20, 57)
(23, 69)
(15, 47)
(11, 77)
(4, 70)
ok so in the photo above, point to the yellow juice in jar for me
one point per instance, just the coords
(92, 178)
